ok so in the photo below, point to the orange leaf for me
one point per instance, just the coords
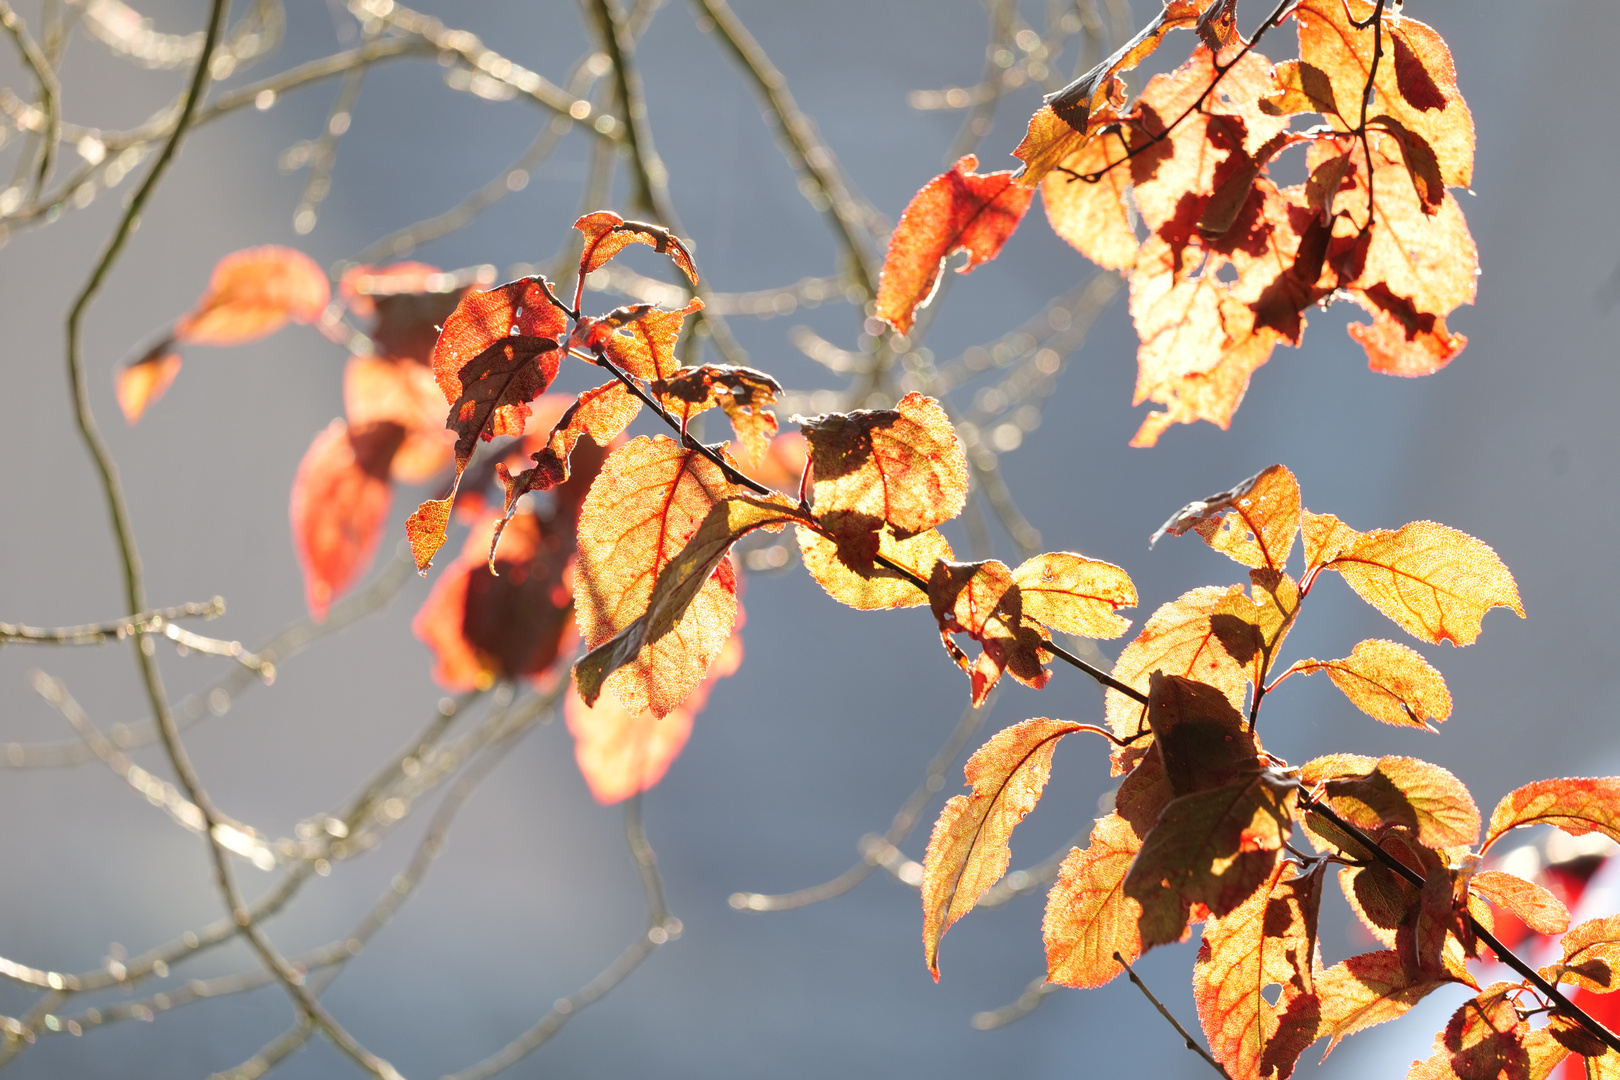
(981, 600)
(741, 391)
(1365, 990)
(526, 307)
(1326, 538)
(339, 509)
(1591, 956)
(968, 851)
(875, 588)
(639, 338)
(621, 753)
(1483, 1040)
(485, 626)
(497, 386)
(1372, 793)
(1252, 630)
(1388, 682)
(143, 382)
(1177, 640)
(1213, 847)
(377, 390)
(956, 211)
(1088, 916)
(656, 593)
(1268, 940)
(425, 529)
(1537, 908)
(1255, 522)
(1093, 216)
(1075, 595)
(1435, 582)
(252, 294)
(903, 466)
(1577, 806)
(607, 234)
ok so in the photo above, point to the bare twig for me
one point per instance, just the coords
(1192, 1044)
(1022, 1006)
(50, 95)
(97, 633)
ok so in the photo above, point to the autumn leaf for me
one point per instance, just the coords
(1251, 630)
(1365, 990)
(1591, 956)
(1201, 739)
(1537, 908)
(1268, 940)
(742, 392)
(607, 234)
(254, 293)
(878, 587)
(380, 390)
(957, 211)
(639, 338)
(1072, 594)
(406, 302)
(1088, 916)
(526, 308)
(968, 851)
(1213, 847)
(1326, 538)
(141, 383)
(656, 595)
(902, 466)
(1435, 582)
(1092, 214)
(425, 530)
(1388, 682)
(1177, 640)
(484, 626)
(621, 753)
(1371, 793)
(1577, 806)
(1254, 523)
(339, 510)
(981, 600)
(1483, 1040)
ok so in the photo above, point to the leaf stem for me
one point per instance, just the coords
(1192, 1044)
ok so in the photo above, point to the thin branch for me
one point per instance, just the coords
(1022, 1006)
(1192, 1044)
(97, 633)
(50, 93)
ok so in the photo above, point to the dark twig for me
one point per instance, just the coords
(1192, 1044)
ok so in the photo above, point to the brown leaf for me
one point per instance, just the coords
(1254, 523)
(904, 466)
(656, 593)
(1268, 940)
(1072, 594)
(1088, 916)
(741, 392)
(339, 507)
(141, 383)
(1435, 582)
(407, 302)
(981, 600)
(607, 234)
(1578, 806)
(254, 293)
(1388, 682)
(1200, 737)
(378, 390)
(968, 851)
(525, 308)
(957, 211)
(877, 587)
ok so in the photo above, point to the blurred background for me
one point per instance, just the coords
(831, 720)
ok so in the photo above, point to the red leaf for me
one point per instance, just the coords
(339, 509)
(525, 307)
(957, 211)
(607, 234)
(252, 294)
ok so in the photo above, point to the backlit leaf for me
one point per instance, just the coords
(656, 594)
(1072, 594)
(1373, 792)
(1484, 1040)
(1177, 640)
(1326, 538)
(525, 308)
(254, 293)
(496, 388)
(1388, 682)
(425, 529)
(968, 851)
(621, 753)
(1088, 916)
(1268, 940)
(1578, 806)
(1252, 630)
(741, 392)
(957, 211)
(1537, 908)
(406, 302)
(1591, 956)
(1255, 522)
(876, 588)
(607, 234)
(904, 466)
(1435, 582)
(1093, 215)
(339, 509)
(1213, 847)
(981, 600)
(1200, 737)
(141, 383)
(1365, 990)
(639, 338)
(380, 390)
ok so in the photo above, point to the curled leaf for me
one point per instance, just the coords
(1255, 522)
(741, 392)
(607, 234)
(982, 600)
(968, 851)
(639, 338)
(957, 211)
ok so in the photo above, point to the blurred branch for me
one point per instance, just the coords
(1022, 1006)
(97, 633)
(50, 94)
